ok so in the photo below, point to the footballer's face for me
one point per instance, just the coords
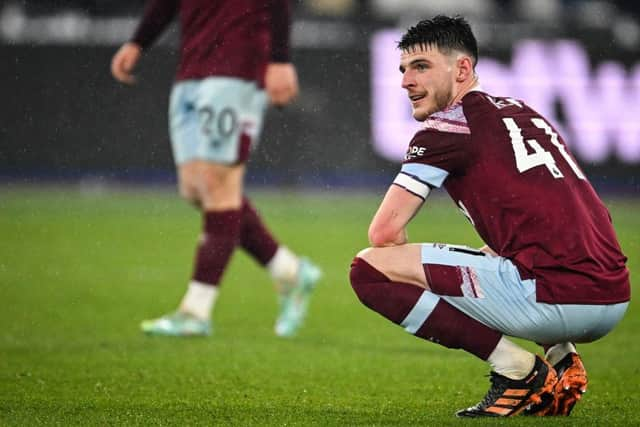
(428, 76)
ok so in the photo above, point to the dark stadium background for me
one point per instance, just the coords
(64, 119)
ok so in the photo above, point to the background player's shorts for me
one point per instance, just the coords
(490, 290)
(216, 119)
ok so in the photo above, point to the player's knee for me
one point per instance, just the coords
(364, 253)
(217, 191)
(370, 255)
(359, 277)
(358, 274)
(189, 193)
(211, 185)
(363, 277)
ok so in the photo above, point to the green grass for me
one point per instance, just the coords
(79, 270)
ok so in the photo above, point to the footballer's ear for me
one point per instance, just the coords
(464, 66)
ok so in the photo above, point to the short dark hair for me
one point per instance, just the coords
(444, 32)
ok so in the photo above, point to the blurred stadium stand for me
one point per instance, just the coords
(83, 21)
(324, 21)
(70, 120)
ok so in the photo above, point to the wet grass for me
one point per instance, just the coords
(80, 269)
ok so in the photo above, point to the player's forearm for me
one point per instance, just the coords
(280, 11)
(156, 17)
(388, 227)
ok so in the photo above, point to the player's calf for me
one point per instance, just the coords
(421, 312)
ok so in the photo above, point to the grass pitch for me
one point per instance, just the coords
(79, 270)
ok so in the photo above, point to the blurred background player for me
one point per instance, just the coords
(552, 271)
(230, 53)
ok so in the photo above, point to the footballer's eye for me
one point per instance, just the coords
(421, 66)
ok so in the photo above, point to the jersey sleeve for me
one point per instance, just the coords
(280, 14)
(157, 15)
(431, 157)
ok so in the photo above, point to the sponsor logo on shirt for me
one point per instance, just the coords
(414, 152)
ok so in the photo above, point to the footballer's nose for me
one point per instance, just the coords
(407, 80)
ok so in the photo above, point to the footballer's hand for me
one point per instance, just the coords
(281, 83)
(124, 61)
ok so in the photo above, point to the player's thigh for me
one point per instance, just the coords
(221, 186)
(455, 270)
(188, 182)
(218, 186)
(399, 263)
(485, 287)
(229, 114)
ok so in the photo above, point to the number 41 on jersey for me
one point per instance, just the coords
(539, 157)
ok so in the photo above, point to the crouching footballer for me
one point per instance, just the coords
(552, 270)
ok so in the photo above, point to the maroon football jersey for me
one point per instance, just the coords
(512, 175)
(235, 38)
